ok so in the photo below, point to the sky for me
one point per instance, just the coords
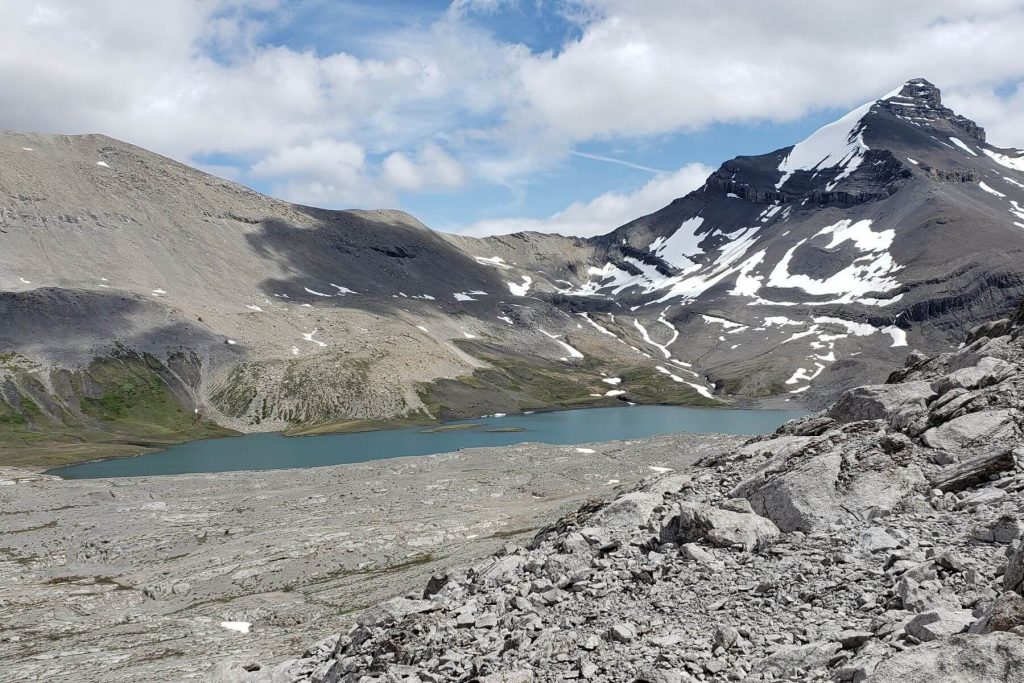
(491, 116)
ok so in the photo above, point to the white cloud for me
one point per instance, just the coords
(433, 168)
(443, 105)
(605, 212)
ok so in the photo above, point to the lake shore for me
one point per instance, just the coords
(267, 451)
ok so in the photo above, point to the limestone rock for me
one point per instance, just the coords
(628, 512)
(724, 528)
(993, 658)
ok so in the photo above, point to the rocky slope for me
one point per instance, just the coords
(152, 578)
(878, 540)
(146, 302)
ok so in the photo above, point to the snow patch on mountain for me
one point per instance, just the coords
(991, 191)
(521, 288)
(1015, 163)
(840, 144)
(962, 145)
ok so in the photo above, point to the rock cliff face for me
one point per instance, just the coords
(879, 540)
(796, 274)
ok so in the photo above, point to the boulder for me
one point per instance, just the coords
(810, 489)
(974, 429)
(791, 661)
(876, 539)
(1013, 579)
(878, 401)
(1005, 614)
(973, 471)
(392, 611)
(627, 512)
(987, 372)
(936, 624)
(993, 658)
(723, 528)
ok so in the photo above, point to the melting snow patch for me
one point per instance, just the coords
(666, 371)
(780, 320)
(506, 319)
(343, 290)
(240, 626)
(595, 325)
(467, 335)
(232, 342)
(314, 292)
(572, 352)
(28, 149)
(520, 289)
(659, 470)
(295, 350)
(899, 336)
(614, 392)
(585, 450)
(727, 324)
(251, 307)
(308, 336)
(103, 164)
(1013, 182)
(420, 327)
(647, 338)
(462, 296)
(158, 292)
(960, 143)
(915, 163)
(496, 261)
(801, 389)
(858, 329)
(988, 189)
(612, 380)
(1016, 163)
(611, 482)
(866, 274)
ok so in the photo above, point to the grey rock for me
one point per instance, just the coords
(628, 512)
(622, 632)
(1013, 579)
(875, 539)
(695, 521)
(933, 625)
(878, 401)
(993, 658)
(793, 660)
(973, 471)
(975, 429)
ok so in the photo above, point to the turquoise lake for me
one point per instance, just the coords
(273, 451)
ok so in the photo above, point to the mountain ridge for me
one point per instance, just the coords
(800, 271)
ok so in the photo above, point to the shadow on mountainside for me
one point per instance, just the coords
(353, 261)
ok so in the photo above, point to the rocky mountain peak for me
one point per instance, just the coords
(920, 100)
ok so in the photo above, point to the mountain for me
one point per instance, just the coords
(146, 302)
(809, 268)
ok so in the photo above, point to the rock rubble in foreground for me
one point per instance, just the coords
(879, 540)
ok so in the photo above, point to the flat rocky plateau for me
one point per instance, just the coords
(134, 579)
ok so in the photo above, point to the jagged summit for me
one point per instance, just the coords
(920, 100)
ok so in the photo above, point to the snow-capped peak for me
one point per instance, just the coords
(840, 145)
